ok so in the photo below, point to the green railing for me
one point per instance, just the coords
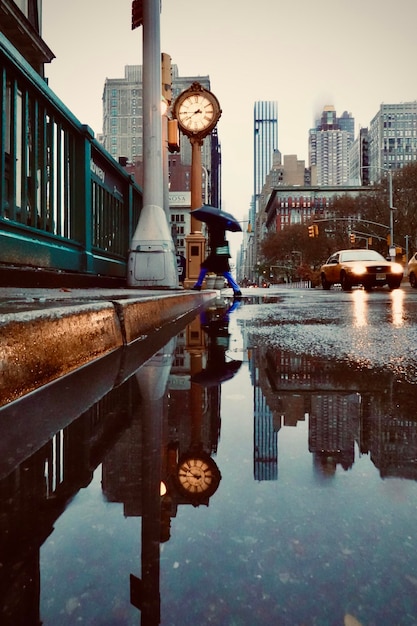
(65, 204)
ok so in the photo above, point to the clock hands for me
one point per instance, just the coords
(191, 115)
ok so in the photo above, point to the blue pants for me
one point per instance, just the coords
(227, 276)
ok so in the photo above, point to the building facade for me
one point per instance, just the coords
(123, 115)
(265, 156)
(329, 147)
(392, 138)
(21, 23)
(123, 138)
(265, 143)
(299, 205)
(359, 159)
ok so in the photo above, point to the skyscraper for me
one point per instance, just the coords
(123, 115)
(265, 143)
(122, 137)
(329, 146)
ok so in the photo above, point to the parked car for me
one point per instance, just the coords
(360, 267)
(412, 271)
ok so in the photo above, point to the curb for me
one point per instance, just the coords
(38, 347)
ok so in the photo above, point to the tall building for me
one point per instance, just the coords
(329, 147)
(123, 115)
(265, 151)
(123, 138)
(265, 143)
(392, 138)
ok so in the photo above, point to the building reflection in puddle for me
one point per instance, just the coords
(162, 426)
(346, 407)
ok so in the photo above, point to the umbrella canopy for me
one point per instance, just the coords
(211, 215)
(211, 376)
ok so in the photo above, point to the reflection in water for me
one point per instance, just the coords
(397, 302)
(361, 300)
(360, 307)
(163, 425)
(345, 406)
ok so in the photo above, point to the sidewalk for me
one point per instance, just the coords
(46, 333)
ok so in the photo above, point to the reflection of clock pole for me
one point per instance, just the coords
(197, 111)
(198, 476)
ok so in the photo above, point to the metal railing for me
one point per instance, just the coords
(65, 203)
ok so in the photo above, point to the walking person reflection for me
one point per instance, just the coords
(219, 368)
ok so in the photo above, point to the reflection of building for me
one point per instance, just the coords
(332, 428)
(36, 492)
(393, 445)
(265, 440)
(343, 405)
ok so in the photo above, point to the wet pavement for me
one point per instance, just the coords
(283, 431)
(47, 333)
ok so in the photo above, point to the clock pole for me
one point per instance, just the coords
(195, 242)
(197, 111)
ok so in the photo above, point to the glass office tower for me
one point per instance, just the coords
(265, 142)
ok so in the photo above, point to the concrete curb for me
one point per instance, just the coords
(38, 347)
(139, 317)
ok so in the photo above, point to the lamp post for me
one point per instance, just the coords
(391, 218)
(151, 258)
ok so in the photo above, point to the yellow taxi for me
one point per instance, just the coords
(364, 267)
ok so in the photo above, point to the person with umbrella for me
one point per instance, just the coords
(218, 258)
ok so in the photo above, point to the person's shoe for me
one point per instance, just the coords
(196, 288)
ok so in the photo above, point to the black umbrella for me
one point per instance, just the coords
(213, 376)
(211, 215)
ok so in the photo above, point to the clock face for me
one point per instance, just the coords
(196, 113)
(196, 476)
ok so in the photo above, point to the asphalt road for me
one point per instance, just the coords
(370, 330)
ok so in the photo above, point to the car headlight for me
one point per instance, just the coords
(358, 270)
(396, 268)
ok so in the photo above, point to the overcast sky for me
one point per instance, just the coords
(305, 54)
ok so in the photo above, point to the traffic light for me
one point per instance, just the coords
(352, 237)
(137, 13)
(311, 232)
(166, 77)
(316, 230)
(173, 136)
(369, 241)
